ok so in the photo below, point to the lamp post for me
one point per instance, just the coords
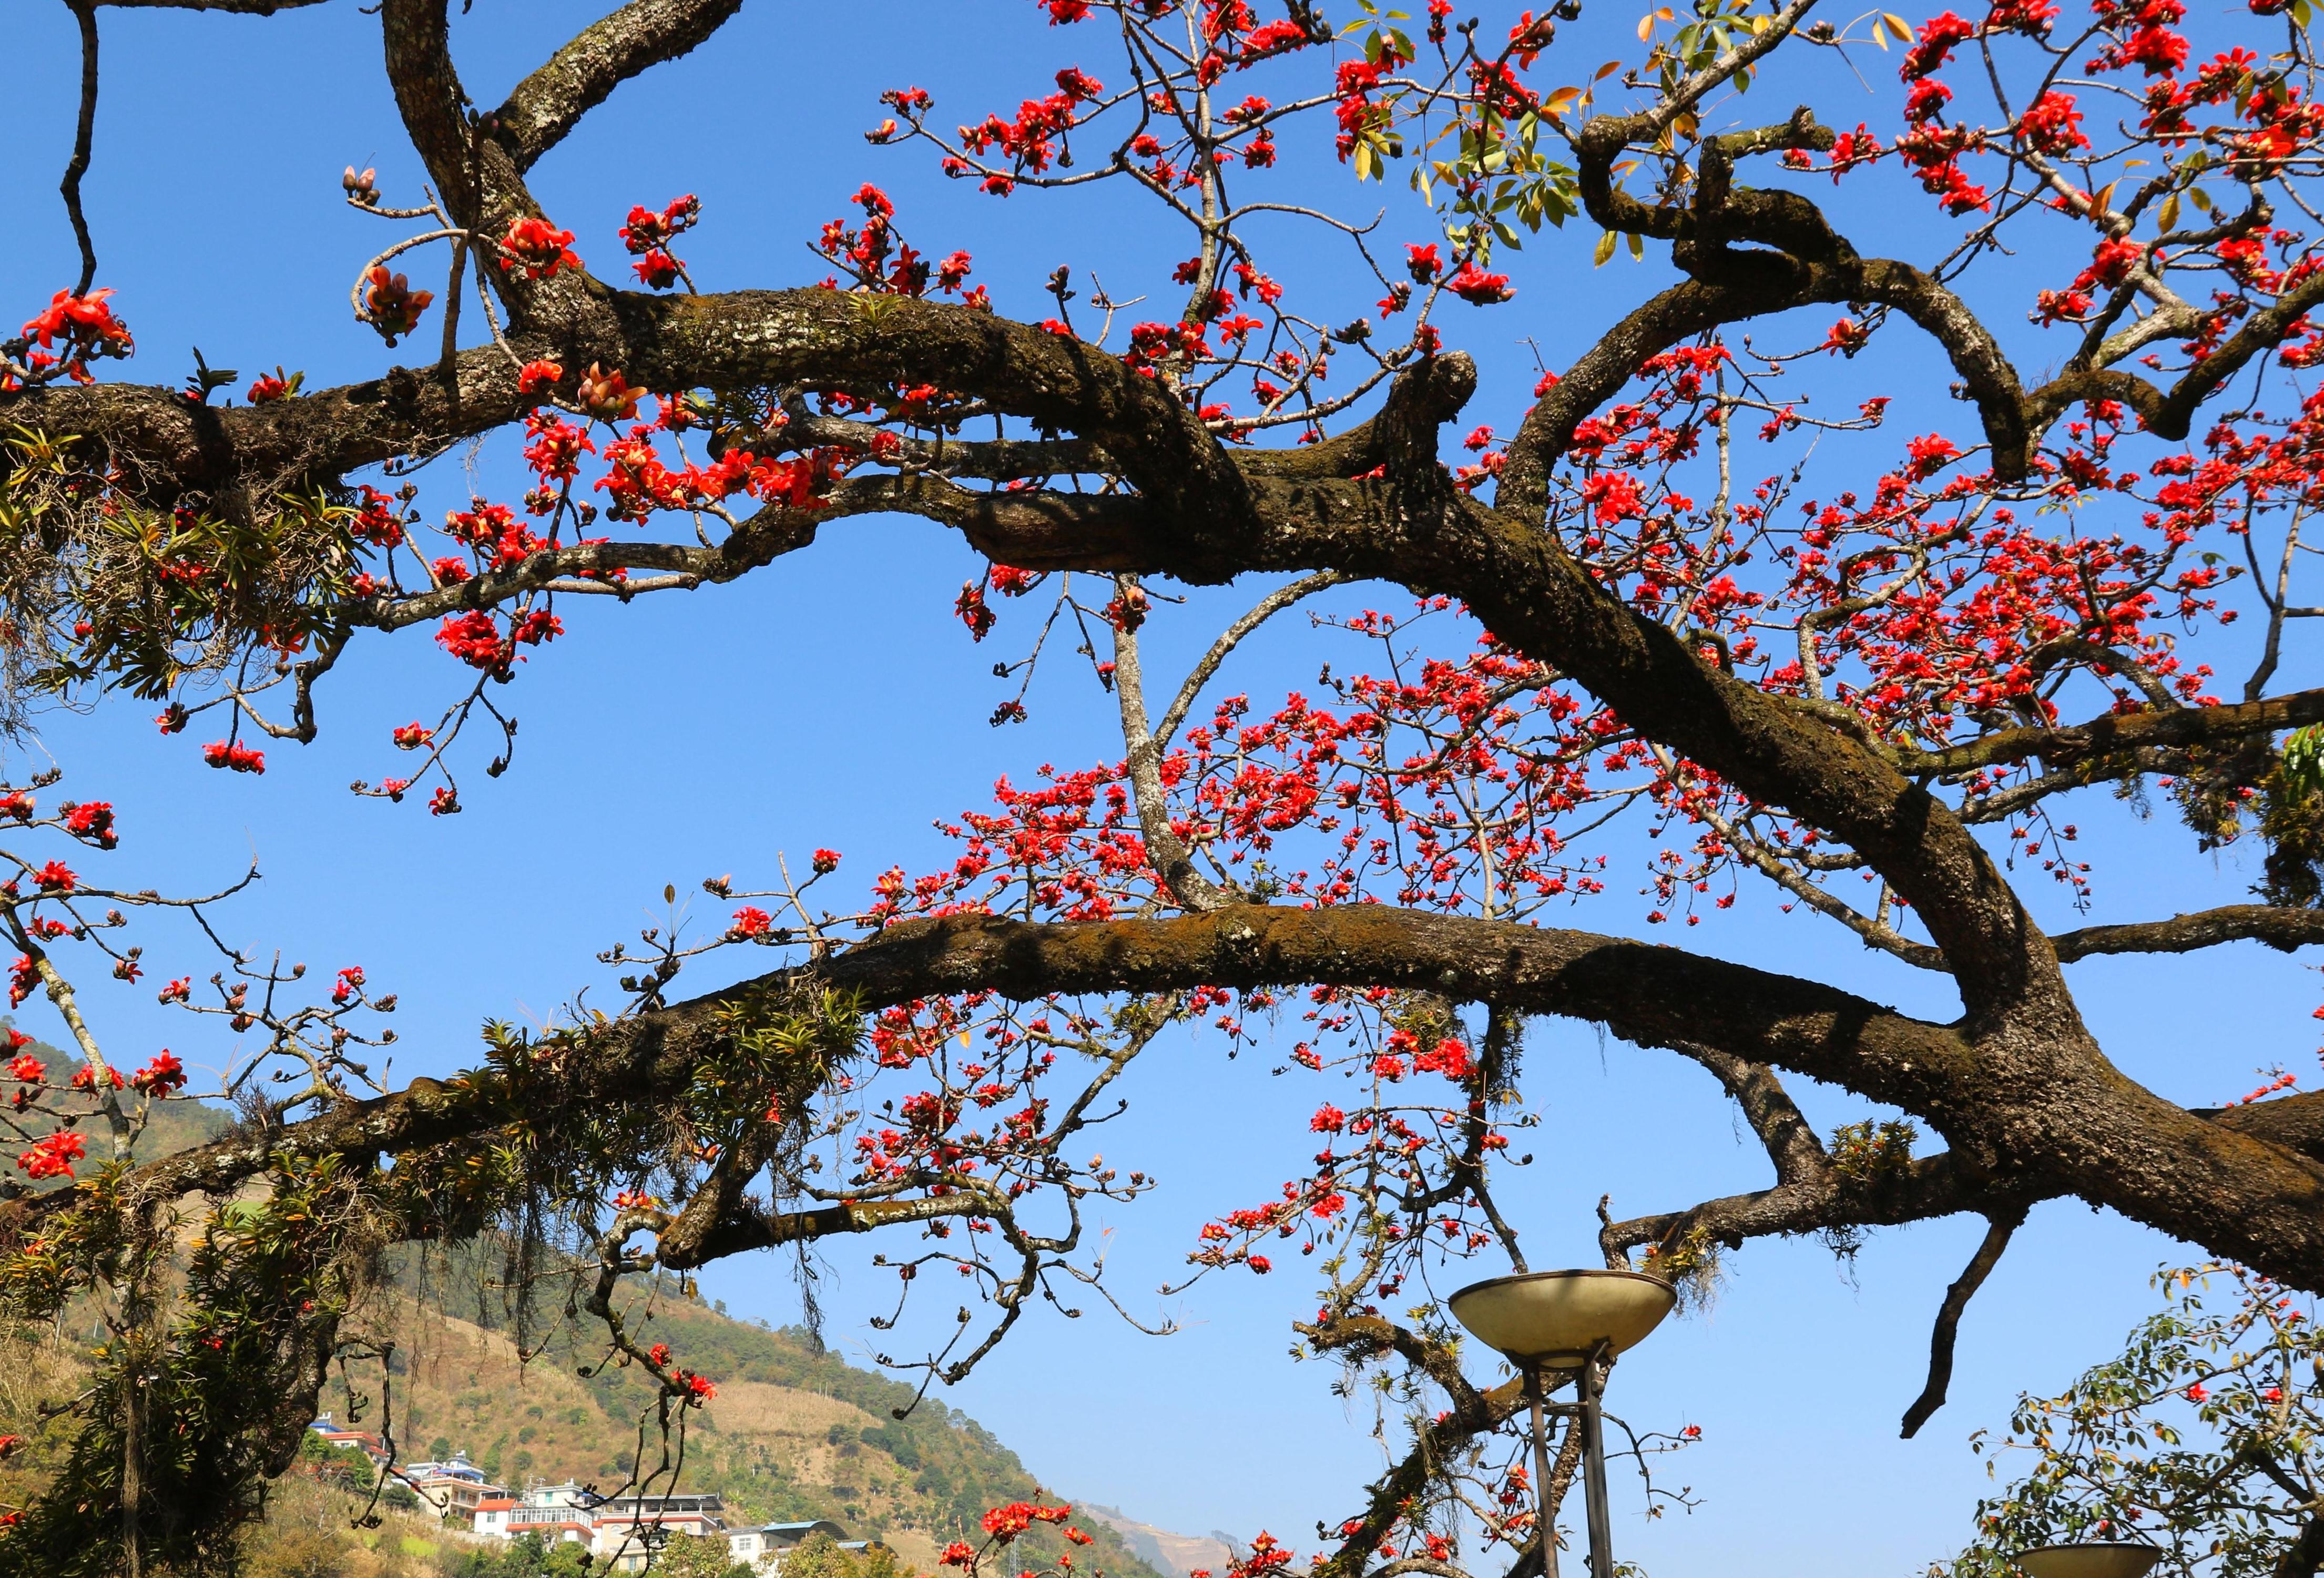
(2090, 1561)
(1569, 1325)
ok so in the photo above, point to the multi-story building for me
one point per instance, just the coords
(765, 1545)
(452, 1488)
(630, 1528)
(553, 1512)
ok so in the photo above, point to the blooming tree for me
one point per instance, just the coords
(2199, 1439)
(1871, 679)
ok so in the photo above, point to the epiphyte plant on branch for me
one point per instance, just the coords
(1866, 675)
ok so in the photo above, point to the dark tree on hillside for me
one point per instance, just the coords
(1860, 676)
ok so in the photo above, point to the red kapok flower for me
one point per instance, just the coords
(539, 247)
(235, 758)
(1478, 288)
(53, 1156)
(274, 385)
(92, 819)
(162, 1075)
(608, 396)
(391, 305)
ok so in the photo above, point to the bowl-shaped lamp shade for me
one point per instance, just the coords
(2095, 1561)
(1555, 1319)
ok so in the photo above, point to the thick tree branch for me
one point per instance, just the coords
(2118, 732)
(242, 8)
(2169, 413)
(745, 1229)
(2277, 926)
(2084, 1131)
(642, 34)
(482, 185)
(817, 338)
(2295, 1123)
(1653, 995)
(1791, 1141)
(1917, 1191)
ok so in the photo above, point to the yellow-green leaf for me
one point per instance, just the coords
(1605, 250)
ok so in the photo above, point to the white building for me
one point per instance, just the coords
(553, 1512)
(624, 1531)
(630, 1528)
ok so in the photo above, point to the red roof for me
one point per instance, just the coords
(501, 1504)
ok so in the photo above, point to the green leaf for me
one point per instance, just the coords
(2303, 761)
(1605, 250)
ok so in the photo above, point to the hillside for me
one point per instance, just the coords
(795, 1431)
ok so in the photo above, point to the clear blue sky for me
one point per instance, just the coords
(833, 701)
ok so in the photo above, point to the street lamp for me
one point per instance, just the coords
(1573, 1323)
(2091, 1561)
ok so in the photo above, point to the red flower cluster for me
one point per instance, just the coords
(158, 1078)
(538, 377)
(391, 305)
(648, 234)
(1477, 288)
(478, 640)
(1006, 1523)
(538, 247)
(234, 757)
(608, 396)
(53, 1156)
(71, 331)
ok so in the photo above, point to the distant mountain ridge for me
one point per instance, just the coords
(1179, 1556)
